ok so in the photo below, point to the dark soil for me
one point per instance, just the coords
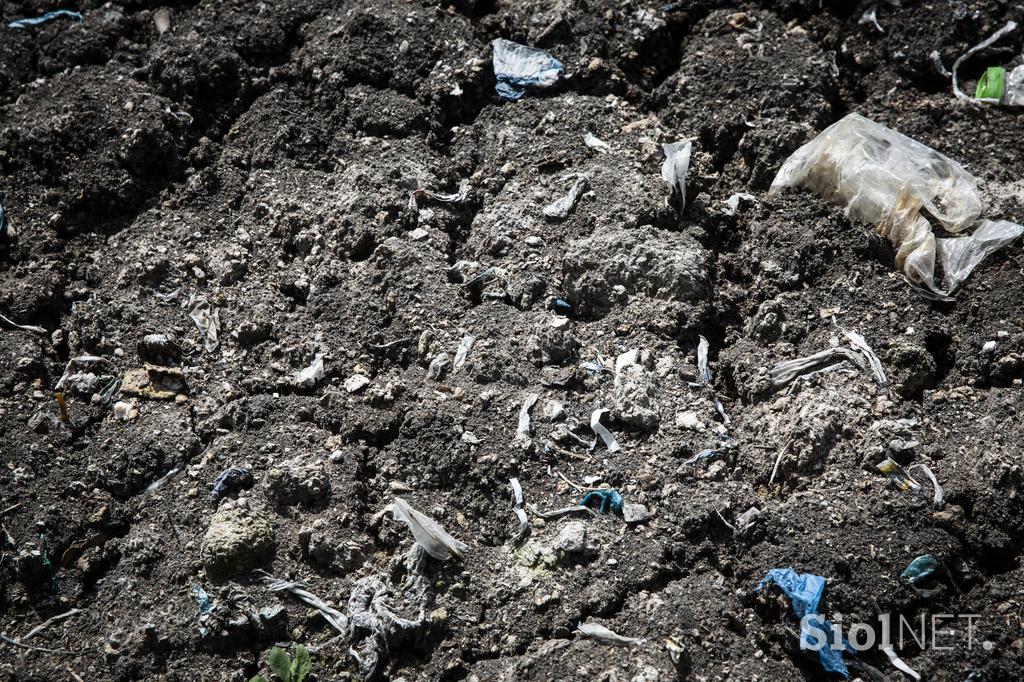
(261, 155)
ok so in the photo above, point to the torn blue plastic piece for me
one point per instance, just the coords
(43, 18)
(703, 454)
(228, 481)
(804, 591)
(518, 67)
(608, 500)
(920, 568)
(202, 600)
(562, 307)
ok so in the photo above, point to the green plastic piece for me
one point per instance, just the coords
(992, 83)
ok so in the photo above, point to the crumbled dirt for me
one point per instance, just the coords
(259, 157)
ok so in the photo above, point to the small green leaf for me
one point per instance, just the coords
(257, 678)
(279, 662)
(992, 83)
(301, 665)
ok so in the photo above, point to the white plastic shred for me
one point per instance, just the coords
(602, 432)
(675, 167)
(430, 535)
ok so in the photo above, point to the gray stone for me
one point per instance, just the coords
(238, 540)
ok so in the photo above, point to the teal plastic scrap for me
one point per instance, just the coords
(607, 500)
(920, 568)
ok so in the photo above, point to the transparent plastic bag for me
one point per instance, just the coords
(886, 178)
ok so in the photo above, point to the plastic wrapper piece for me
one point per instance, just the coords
(804, 591)
(428, 532)
(603, 634)
(898, 475)
(560, 208)
(518, 68)
(675, 167)
(888, 179)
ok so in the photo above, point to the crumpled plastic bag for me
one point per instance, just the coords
(518, 68)
(804, 591)
(886, 178)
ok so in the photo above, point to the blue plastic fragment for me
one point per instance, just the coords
(703, 454)
(518, 67)
(43, 18)
(608, 500)
(230, 480)
(804, 591)
(562, 307)
(920, 568)
(202, 600)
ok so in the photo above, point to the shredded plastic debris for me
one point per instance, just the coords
(5, 228)
(439, 196)
(160, 482)
(229, 481)
(43, 18)
(560, 208)
(920, 568)
(607, 501)
(23, 327)
(519, 68)
(1008, 28)
(310, 376)
(937, 64)
(897, 662)
(207, 320)
(602, 432)
(603, 634)
(428, 533)
(898, 475)
(861, 344)
(675, 167)
(828, 360)
(703, 454)
(205, 606)
(732, 204)
(936, 488)
(804, 591)
(888, 179)
(870, 18)
(336, 618)
(465, 345)
(370, 613)
(523, 429)
(517, 507)
(595, 143)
